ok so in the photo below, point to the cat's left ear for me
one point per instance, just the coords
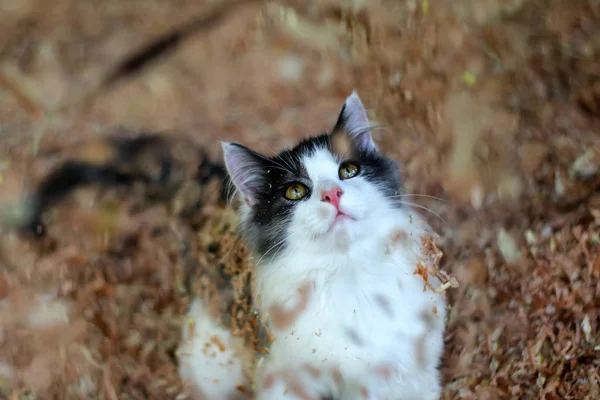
(354, 122)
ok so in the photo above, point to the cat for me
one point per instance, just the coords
(342, 276)
(120, 160)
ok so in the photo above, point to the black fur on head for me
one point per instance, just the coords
(262, 181)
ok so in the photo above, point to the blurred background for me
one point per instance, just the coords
(492, 106)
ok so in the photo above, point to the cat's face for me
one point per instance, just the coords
(328, 185)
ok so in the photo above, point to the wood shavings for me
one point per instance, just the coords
(10, 80)
(452, 283)
(508, 247)
(586, 327)
(512, 150)
(423, 272)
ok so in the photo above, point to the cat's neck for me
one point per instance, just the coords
(341, 256)
(365, 241)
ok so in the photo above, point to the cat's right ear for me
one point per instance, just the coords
(245, 168)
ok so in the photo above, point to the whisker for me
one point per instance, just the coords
(280, 244)
(371, 127)
(277, 166)
(289, 167)
(420, 195)
(424, 208)
(271, 160)
(278, 250)
(289, 161)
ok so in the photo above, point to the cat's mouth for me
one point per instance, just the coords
(340, 216)
(339, 219)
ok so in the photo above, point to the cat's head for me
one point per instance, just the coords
(327, 185)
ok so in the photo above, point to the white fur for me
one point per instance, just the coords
(214, 372)
(352, 268)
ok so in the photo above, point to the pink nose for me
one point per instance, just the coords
(332, 196)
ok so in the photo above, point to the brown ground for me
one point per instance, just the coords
(492, 105)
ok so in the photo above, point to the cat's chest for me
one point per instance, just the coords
(354, 313)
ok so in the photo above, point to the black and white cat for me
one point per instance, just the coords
(336, 245)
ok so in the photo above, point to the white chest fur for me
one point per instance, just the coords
(367, 311)
(369, 328)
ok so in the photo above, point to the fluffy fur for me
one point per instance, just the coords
(351, 317)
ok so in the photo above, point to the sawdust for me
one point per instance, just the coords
(491, 106)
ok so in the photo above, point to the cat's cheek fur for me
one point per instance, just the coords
(362, 200)
(311, 219)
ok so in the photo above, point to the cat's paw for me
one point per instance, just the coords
(208, 358)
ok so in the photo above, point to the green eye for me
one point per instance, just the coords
(348, 170)
(296, 191)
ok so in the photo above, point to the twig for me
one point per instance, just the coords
(162, 46)
(29, 104)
